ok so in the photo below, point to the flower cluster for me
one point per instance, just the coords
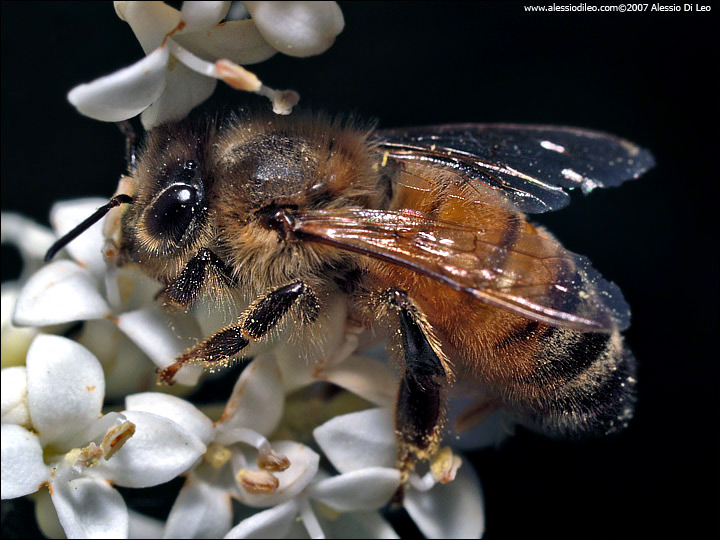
(189, 50)
(295, 456)
(301, 447)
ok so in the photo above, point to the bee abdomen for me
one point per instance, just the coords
(585, 384)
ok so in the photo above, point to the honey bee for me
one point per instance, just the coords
(423, 231)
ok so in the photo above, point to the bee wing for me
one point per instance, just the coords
(536, 278)
(529, 165)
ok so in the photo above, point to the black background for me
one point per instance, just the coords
(646, 76)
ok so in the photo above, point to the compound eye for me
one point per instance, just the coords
(171, 214)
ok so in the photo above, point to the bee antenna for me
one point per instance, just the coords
(86, 224)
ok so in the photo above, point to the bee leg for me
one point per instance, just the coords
(261, 317)
(476, 413)
(190, 281)
(420, 408)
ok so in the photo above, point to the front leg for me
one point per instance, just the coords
(261, 317)
(188, 284)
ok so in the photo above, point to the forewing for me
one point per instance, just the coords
(529, 165)
(536, 278)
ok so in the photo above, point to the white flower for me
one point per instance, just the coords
(64, 442)
(188, 50)
(327, 506)
(242, 464)
(85, 289)
(365, 439)
(330, 507)
(228, 468)
(32, 241)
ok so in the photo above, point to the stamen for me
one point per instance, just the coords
(312, 525)
(283, 101)
(78, 459)
(444, 465)
(443, 469)
(237, 76)
(270, 461)
(116, 437)
(257, 482)
(195, 63)
(267, 459)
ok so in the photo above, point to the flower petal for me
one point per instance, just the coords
(66, 388)
(46, 516)
(23, 468)
(303, 467)
(359, 440)
(90, 508)
(362, 525)
(150, 21)
(58, 293)
(127, 368)
(257, 400)
(367, 377)
(298, 28)
(15, 339)
(299, 363)
(201, 510)
(237, 41)
(159, 451)
(364, 489)
(125, 93)
(151, 330)
(272, 523)
(202, 15)
(178, 410)
(31, 239)
(86, 249)
(14, 396)
(184, 90)
(142, 526)
(453, 510)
